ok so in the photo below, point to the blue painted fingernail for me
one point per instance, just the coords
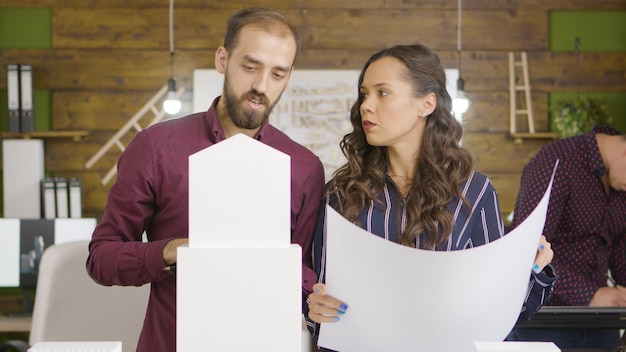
(341, 312)
(542, 247)
(336, 319)
(343, 306)
(536, 268)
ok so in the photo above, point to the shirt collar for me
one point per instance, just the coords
(593, 151)
(216, 133)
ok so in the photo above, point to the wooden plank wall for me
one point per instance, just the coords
(110, 56)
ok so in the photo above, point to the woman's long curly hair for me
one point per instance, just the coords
(441, 163)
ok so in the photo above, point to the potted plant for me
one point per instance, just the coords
(578, 115)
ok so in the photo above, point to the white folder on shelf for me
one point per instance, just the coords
(13, 95)
(60, 185)
(75, 198)
(48, 198)
(27, 116)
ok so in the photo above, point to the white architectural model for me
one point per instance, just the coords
(239, 280)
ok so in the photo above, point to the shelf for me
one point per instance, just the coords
(76, 135)
(520, 136)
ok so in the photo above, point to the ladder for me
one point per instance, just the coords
(514, 87)
(132, 123)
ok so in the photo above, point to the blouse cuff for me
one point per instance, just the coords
(547, 276)
(154, 258)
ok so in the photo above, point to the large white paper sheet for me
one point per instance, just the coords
(406, 299)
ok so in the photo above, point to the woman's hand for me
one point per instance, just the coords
(324, 308)
(544, 255)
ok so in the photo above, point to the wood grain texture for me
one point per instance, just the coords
(110, 56)
(331, 4)
(101, 69)
(97, 110)
(496, 153)
(507, 187)
(319, 28)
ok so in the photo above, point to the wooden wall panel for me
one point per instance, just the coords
(489, 112)
(437, 28)
(320, 29)
(332, 4)
(105, 69)
(67, 155)
(489, 70)
(506, 186)
(102, 69)
(495, 153)
(559, 71)
(96, 110)
(121, 28)
(110, 56)
(94, 194)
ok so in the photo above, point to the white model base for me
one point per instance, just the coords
(239, 299)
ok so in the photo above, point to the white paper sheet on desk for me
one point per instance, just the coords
(406, 299)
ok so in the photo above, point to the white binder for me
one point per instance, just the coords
(48, 198)
(13, 94)
(75, 195)
(27, 117)
(60, 184)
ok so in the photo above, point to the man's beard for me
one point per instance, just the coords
(242, 117)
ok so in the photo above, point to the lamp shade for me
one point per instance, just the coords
(460, 103)
(171, 104)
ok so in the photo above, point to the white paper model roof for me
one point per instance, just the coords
(239, 195)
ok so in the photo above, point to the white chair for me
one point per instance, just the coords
(70, 306)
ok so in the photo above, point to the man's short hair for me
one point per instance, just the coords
(264, 18)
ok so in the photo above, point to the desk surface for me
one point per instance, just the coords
(15, 324)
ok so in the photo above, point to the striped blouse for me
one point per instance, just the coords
(479, 226)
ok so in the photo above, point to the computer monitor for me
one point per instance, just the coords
(23, 242)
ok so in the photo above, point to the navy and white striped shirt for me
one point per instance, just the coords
(478, 226)
(387, 219)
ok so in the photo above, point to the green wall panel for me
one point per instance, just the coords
(25, 28)
(615, 101)
(43, 107)
(597, 30)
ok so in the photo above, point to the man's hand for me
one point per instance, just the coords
(170, 250)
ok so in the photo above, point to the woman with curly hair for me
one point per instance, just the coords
(407, 179)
